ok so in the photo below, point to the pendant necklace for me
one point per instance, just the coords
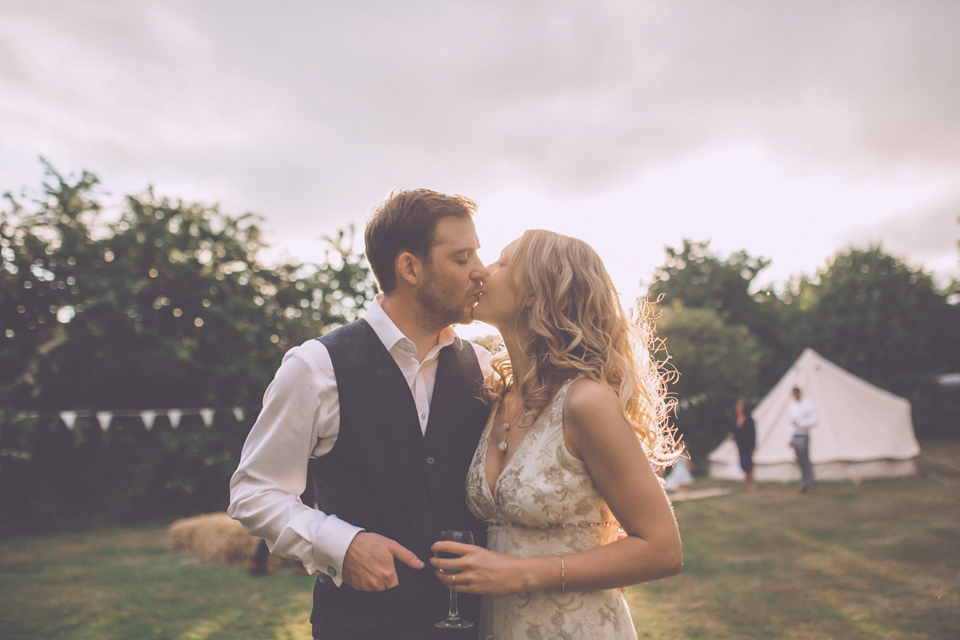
(506, 427)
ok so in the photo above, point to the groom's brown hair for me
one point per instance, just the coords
(407, 221)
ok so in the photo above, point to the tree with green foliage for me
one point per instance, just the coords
(880, 318)
(717, 362)
(700, 279)
(703, 280)
(167, 306)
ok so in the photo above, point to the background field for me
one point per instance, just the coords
(876, 560)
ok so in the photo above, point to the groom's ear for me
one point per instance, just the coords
(409, 268)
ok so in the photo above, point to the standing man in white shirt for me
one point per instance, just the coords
(383, 417)
(804, 417)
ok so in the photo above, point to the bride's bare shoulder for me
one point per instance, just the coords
(586, 398)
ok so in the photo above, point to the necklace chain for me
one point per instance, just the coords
(506, 426)
(502, 446)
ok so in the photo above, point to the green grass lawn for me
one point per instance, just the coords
(124, 584)
(875, 560)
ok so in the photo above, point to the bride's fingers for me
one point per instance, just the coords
(449, 546)
(449, 564)
(455, 581)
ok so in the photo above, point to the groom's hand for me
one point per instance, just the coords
(368, 564)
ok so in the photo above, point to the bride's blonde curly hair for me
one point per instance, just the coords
(577, 326)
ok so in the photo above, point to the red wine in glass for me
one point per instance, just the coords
(453, 620)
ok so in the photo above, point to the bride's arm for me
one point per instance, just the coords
(597, 433)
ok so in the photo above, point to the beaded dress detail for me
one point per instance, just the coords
(545, 503)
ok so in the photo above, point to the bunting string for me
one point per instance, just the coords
(149, 416)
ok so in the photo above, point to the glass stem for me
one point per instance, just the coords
(453, 614)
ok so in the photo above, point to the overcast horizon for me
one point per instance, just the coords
(791, 130)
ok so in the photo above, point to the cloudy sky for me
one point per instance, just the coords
(789, 129)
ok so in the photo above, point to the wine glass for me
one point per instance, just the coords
(453, 620)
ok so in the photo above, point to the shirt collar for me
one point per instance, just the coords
(391, 336)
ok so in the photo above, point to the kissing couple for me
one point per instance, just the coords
(543, 455)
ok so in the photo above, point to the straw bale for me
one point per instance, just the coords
(220, 539)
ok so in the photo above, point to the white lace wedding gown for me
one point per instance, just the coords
(545, 503)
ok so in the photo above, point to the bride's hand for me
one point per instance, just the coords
(480, 571)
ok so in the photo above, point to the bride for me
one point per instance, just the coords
(578, 418)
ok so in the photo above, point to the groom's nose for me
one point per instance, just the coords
(480, 272)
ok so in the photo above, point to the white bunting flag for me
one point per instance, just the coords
(103, 419)
(148, 418)
(174, 415)
(238, 414)
(69, 418)
(207, 416)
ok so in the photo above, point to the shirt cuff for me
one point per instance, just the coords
(336, 536)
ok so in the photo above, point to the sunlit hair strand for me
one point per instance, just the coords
(577, 326)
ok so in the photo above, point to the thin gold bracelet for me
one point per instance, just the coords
(563, 575)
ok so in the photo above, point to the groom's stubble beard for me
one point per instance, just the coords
(442, 307)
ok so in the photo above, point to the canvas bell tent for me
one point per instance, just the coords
(863, 431)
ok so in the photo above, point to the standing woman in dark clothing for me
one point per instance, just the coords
(744, 433)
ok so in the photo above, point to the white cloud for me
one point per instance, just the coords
(931, 236)
(780, 127)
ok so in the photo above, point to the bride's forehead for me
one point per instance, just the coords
(511, 248)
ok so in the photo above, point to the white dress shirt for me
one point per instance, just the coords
(803, 416)
(301, 420)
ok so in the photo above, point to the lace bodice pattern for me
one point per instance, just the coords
(545, 503)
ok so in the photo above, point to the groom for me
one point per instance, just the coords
(383, 416)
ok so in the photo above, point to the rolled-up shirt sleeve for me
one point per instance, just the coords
(299, 420)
